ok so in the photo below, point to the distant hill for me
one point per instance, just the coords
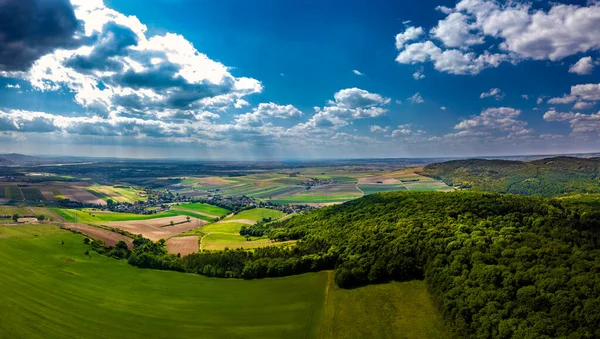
(14, 159)
(546, 177)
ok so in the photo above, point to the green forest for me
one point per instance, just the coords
(545, 177)
(498, 266)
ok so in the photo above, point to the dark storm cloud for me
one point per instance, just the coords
(30, 29)
(114, 41)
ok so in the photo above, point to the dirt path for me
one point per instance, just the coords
(403, 184)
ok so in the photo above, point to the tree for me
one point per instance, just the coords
(15, 217)
(41, 217)
(172, 223)
(188, 219)
(86, 241)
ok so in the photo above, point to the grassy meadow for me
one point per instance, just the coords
(256, 214)
(393, 310)
(52, 290)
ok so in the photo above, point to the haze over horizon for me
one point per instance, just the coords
(288, 80)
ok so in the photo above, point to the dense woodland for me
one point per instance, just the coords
(546, 177)
(498, 266)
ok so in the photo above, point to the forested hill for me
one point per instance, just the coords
(499, 266)
(546, 177)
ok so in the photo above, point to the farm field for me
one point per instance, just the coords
(160, 228)
(183, 245)
(117, 193)
(256, 214)
(108, 237)
(378, 188)
(209, 210)
(51, 290)
(392, 310)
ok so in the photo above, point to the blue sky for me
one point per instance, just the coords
(308, 79)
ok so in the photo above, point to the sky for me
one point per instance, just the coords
(271, 79)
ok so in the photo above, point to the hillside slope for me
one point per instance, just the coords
(546, 177)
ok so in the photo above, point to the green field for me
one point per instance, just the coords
(256, 214)
(204, 208)
(393, 310)
(223, 227)
(93, 216)
(378, 188)
(228, 238)
(52, 290)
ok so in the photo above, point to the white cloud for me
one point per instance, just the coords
(267, 111)
(493, 121)
(585, 65)
(584, 95)
(496, 93)
(379, 129)
(539, 100)
(454, 31)
(357, 72)
(410, 34)
(582, 125)
(581, 105)
(349, 104)
(525, 96)
(523, 33)
(418, 74)
(416, 99)
(443, 108)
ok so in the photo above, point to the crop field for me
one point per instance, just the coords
(117, 193)
(29, 211)
(256, 214)
(32, 194)
(80, 194)
(52, 290)
(183, 245)
(432, 185)
(393, 310)
(12, 192)
(378, 188)
(93, 216)
(209, 210)
(156, 229)
(108, 237)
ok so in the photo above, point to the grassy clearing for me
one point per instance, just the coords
(393, 310)
(256, 214)
(378, 188)
(204, 208)
(52, 290)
